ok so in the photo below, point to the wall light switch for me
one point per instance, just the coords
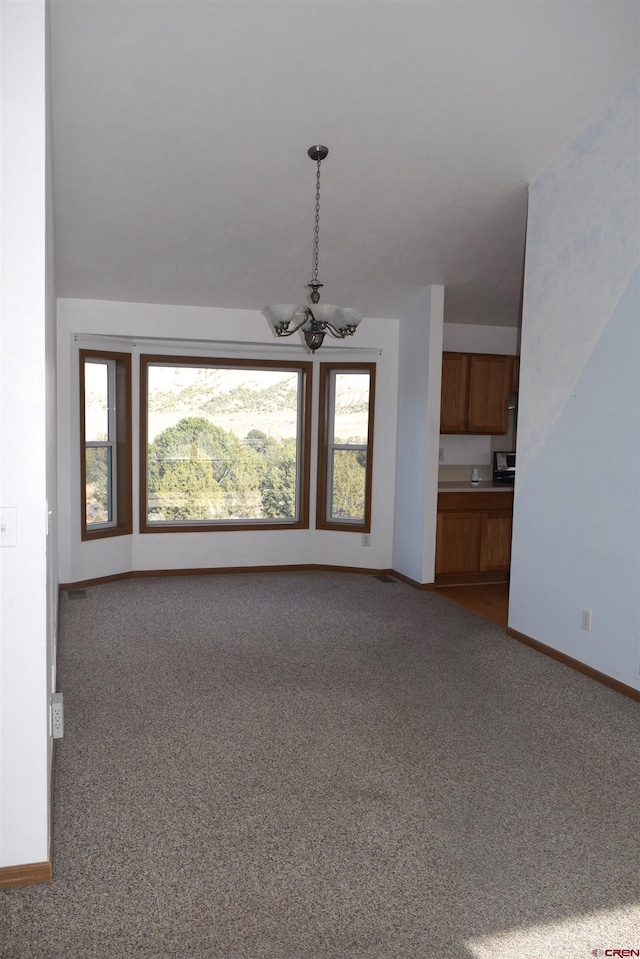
(8, 526)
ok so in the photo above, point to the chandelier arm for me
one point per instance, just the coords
(339, 333)
(335, 332)
(287, 332)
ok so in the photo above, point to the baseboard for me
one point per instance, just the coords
(409, 581)
(224, 570)
(576, 664)
(25, 875)
(96, 581)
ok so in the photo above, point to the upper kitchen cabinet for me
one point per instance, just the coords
(454, 398)
(489, 388)
(475, 393)
(515, 374)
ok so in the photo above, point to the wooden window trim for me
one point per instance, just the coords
(305, 368)
(123, 477)
(322, 520)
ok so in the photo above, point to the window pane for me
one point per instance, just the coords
(348, 486)
(106, 501)
(351, 421)
(96, 401)
(222, 444)
(97, 462)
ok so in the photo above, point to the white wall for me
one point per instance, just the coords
(25, 643)
(51, 417)
(215, 332)
(419, 381)
(576, 537)
(478, 338)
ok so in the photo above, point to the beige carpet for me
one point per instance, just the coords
(318, 766)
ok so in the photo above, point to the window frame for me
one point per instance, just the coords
(120, 466)
(305, 369)
(326, 447)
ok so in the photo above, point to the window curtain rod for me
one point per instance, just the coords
(221, 346)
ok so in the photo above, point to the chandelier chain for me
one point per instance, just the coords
(316, 231)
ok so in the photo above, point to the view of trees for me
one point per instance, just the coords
(349, 468)
(97, 484)
(199, 471)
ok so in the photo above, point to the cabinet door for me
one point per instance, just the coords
(495, 541)
(515, 374)
(489, 387)
(454, 392)
(458, 542)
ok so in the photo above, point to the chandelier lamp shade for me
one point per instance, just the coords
(314, 321)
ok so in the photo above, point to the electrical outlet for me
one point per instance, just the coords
(586, 619)
(366, 539)
(441, 455)
(57, 716)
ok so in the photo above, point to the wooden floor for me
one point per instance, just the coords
(490, 600)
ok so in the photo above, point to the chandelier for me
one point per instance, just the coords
(314, 323)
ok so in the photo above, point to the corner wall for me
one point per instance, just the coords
(25, 625)
(51, 408)
(418, 431)
(576, 535)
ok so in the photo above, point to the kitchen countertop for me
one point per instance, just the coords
(484, 486)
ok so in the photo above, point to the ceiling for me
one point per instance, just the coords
(180, 135)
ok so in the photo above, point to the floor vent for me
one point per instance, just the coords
(386, 579)
(77, 593)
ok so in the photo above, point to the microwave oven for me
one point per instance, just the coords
(504, 467)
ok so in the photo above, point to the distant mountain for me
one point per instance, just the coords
(205, 399)
(243, 399)
(245, 406)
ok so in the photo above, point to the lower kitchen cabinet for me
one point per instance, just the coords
(458, 542)
(495, 541)
(473, 538)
